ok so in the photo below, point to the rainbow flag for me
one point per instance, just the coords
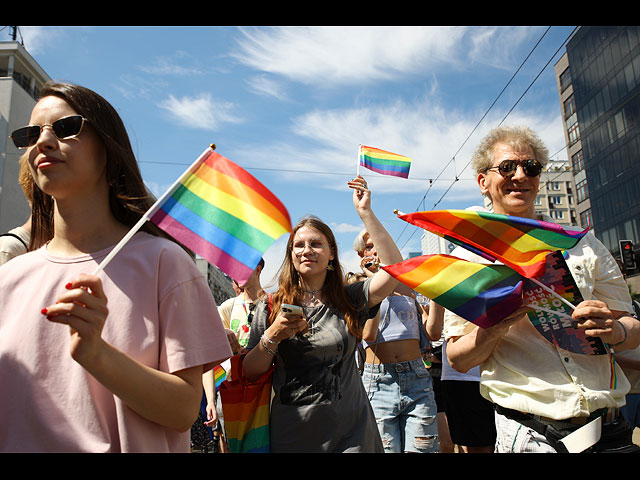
(482, 294)
(219, 375)
(520, 243)
(224, 214)
(246, 409)
(384, 162)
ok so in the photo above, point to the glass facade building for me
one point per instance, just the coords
(604, 114)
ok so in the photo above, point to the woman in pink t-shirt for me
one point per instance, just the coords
(125, 374)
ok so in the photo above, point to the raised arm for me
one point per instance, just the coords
(382, 284)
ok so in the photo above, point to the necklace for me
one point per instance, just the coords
(313, 301)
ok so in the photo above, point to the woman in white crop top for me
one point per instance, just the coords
(395, 377)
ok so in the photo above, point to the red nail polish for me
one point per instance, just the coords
(43, 311)
(68, 286)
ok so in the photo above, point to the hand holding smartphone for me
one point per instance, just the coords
(290, 310)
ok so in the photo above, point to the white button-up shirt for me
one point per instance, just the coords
(527, 373)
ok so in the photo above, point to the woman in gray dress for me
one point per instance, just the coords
(320, 404)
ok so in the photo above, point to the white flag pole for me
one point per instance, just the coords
(358, 163)
(554, 312)
(152, 210)
(554, 293)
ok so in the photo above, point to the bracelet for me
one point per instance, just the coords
(264, 345)
(269, 340)
(625, 335)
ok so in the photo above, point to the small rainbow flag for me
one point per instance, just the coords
(219, 375)
(224, 214)
(384, 162)
(521, 243)
(482, 294)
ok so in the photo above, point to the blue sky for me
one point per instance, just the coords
(292, 104)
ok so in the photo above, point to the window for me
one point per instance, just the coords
(557, 214)
(586, 221)
(565, 80)
(574, 133)
(569, 107)
(555, 200)
(577, 162)
(582, 190)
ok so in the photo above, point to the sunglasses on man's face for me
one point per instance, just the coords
(64, 128)
(507, 168)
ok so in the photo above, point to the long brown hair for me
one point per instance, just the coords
(129, 198)
(290, 291)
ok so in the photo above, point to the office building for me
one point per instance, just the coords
(20, 81)
(599, 83)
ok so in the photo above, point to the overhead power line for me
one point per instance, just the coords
(483, 117)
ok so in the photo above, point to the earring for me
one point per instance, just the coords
(330, 266)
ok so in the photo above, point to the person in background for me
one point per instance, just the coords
(629, 360)
(16, 241)
(542, 393)
(319, 403)
(106, 362)
(236, 314)
(433, 328)
(395, 377)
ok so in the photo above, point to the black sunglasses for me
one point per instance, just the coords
(66, 127)
(507, 168)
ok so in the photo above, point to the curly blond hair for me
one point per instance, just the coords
(517, 137)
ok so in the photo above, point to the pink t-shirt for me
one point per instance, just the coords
(161, 313)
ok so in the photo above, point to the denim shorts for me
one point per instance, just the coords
(403, 402)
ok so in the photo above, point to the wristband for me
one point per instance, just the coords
(625, 335)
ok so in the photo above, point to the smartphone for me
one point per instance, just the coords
(287, 309)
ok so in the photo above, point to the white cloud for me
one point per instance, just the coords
(345, 227)
(262, 85)
(346, 55)
(333, 56)
(200, 111)
(172, 65)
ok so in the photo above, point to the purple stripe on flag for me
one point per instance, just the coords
(229, 265)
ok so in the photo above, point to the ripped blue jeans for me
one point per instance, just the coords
(402, 398)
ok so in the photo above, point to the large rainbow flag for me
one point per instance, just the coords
(480, 293)
(223, 214)
(520, 243)
(246, 407)
(384, 162)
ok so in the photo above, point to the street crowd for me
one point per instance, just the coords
(122, 361)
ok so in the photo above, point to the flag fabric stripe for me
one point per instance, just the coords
(207, 250)
(239, 414)
(384, 162)
(219, 375)
(225, 221)
(255, 441)
(226, 166)
(234, 203)
(223, 214)
(194, 224)
(482, 294)
(232, 184)
(520, 243)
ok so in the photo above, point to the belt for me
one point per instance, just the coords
(608, 415)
